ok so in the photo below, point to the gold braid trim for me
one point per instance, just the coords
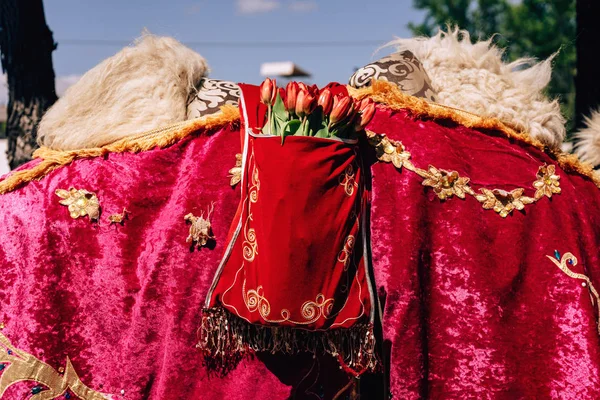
(161, 138)
(390, 95)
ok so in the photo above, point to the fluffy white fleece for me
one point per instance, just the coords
(474, 78)
(140, 88)
(587, 140)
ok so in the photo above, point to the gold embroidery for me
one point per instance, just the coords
(388, 150)
(25, 367)
(503, 202)
(235, 173)
(200, 229)
(119, 218)
(446, 184)
(249, 246)
(570, 259)
(346, 252)
(547, 182)
(348, 181)
(311, 311)
(80, 203)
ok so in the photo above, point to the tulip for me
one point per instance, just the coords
(268, 91)
(291, 95)
(326, 101)
(302, 86)
(342, 107)
(305, 103)
(367, 111)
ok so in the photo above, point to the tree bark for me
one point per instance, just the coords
(587, 80)
(26, 46)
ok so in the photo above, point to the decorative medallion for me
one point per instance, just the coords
(446, 184)
(80, 203)
(200, 228)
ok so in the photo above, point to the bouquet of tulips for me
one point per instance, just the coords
(306, 111)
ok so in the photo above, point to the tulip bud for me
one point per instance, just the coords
(268, 91)
(305, 103)
(367, 112)
(342, 107)
(291, 95)
(302, 86)
(299, 101)
(326, 101)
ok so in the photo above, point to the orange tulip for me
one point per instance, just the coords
(367, 111)
(326, 101)
(291, 95)
(268, 91)
(305, 103)
(342, 107)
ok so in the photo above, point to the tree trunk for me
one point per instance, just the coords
(26, 46)
(587, 80)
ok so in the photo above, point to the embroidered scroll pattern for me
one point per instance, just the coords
(447, 184)
(569, 259)
(311, 311)
(345, 254)
(348, 180)
(250, 245)
(18, 366)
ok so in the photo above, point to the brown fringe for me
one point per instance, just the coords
(158, 138)
(226, 339)
(390, 95)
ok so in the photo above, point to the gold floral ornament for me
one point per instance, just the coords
(388, 150)
(445, 184)
(547, 182)
(200, 229)
(235, 173)
(503, 202)
(80, 203)
(18, 366)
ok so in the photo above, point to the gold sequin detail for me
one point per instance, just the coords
(80, 203)
(569, 258)
(447, 184)
(21, 366)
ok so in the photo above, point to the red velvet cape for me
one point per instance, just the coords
(472, 305)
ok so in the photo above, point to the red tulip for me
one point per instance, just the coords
(305, 104)
(268, 91)
(291, 95)
(342, 107)
(326, 101)
(302, 86)
(367, 111)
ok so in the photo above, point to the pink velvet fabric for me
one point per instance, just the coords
(472, 306)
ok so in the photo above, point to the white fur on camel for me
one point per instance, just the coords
(142, 87)
(473, 77)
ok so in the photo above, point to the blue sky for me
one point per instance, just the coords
(363, 25)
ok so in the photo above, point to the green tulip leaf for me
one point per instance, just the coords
(290, 129)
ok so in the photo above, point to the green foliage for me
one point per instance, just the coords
(526, 28)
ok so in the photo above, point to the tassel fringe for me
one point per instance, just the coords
(226, 339)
